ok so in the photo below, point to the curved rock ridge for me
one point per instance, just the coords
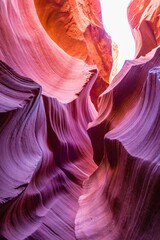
(45, 158)
(26, 47)
(79, 159)
(144, 19)
(80, 24)
(120, 97)
(18, 108)
(125, 185)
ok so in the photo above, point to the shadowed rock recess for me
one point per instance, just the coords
(79, 157)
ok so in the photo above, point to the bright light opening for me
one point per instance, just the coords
(114, 15)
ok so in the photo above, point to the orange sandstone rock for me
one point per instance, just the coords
(144, 18)
(76, 26)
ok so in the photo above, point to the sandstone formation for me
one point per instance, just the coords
(76, 26)
(79, 158)
(144, 19)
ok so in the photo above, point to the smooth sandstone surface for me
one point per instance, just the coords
(79, 158)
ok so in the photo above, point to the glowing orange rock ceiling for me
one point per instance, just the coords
(76, 26)
(79, 158)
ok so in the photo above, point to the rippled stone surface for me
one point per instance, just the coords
(144, 18)
(79, 159)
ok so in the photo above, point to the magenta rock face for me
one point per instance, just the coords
(45, 158)
(125, 187)
(79, 159)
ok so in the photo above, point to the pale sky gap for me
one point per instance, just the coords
(114, 14)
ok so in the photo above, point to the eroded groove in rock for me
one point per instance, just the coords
(29, 50)
(79, 159)
(125, 185)
(80, 24)
(45, 158)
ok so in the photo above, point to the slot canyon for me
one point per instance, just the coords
(79, 138)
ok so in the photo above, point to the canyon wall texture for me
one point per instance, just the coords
(79, 157)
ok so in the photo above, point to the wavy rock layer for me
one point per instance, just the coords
(45, 158)
(78, 159)
(125, 185)
(144, 18)
(30, 52)
(80, 24)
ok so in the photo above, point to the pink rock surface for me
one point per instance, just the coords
(26, 47)
(45, 158)
(79, 159)
(121, 198)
